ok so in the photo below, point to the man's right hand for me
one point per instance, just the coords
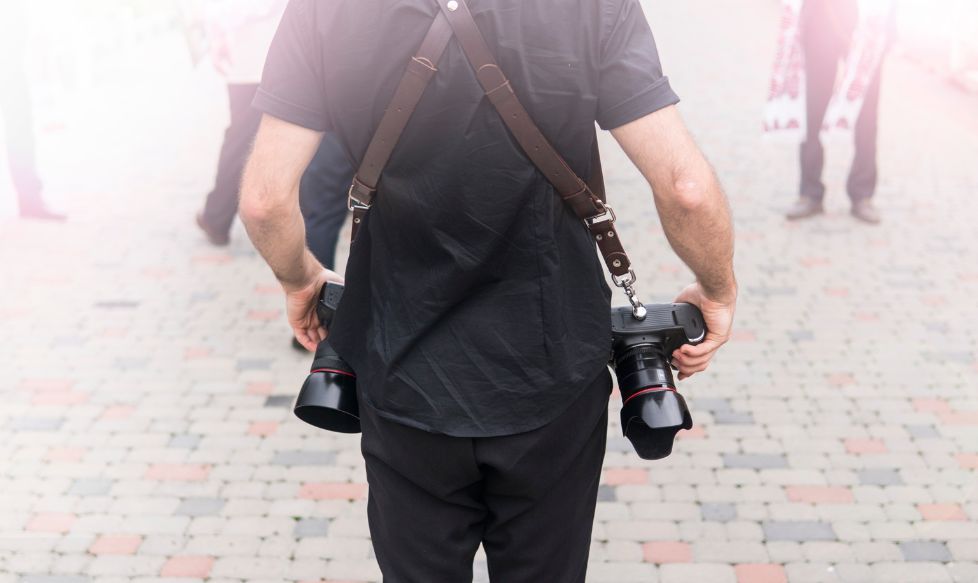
(718, 316)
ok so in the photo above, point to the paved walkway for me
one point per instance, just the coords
(146, 432)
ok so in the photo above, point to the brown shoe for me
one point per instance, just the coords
(865, 211)
(215, 238)
(803, 208)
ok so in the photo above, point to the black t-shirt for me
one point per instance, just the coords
(475, 302)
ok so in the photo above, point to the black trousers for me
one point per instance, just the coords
(827, 28)
(18, 121)
(222, 203)
(529, 498)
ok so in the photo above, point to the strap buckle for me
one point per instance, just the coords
(352, 202)
(607, 214)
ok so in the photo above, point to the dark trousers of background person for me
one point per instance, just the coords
(18, 119)
(323, 188)
(827, 29)
(528, 498)
(222, 202)
(323, 199)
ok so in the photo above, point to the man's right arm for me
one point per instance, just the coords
(696, 219)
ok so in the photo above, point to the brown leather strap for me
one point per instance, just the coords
(420, 69)
(586, 204)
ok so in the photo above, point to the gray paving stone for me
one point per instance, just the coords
(925, 551)
(304, 458)
(36, 424)
(880, 477)
(798, 531)
(184, 441)
(90, 487)
(200, 507)
(606, 493)
(718, 512)
(923, 431)
(279, 400)
(755, 461)
(733, 418)
(308, 527)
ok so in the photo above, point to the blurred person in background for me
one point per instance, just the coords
(811, 100)
(239, 34)
(18, 114)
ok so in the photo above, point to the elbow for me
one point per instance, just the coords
(690, 194)
(256, 207)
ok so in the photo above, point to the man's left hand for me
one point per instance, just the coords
(300, 304)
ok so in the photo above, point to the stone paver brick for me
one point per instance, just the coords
(925, 551)
(760, 573)
(798, 530)
(684, 573)
(200, 506)
(198, 567)
(667, 552)
(820, 494)
(123, 544)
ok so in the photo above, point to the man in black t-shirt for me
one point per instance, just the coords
(476, 313)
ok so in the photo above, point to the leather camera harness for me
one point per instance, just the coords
(586, 199)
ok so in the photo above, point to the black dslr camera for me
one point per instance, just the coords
(652, 410)
(328, 398)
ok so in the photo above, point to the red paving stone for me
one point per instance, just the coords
(820, 494)
(619, 476)
(865, 446)
(121, 544)
(931, 405)
(760, 573)
(333, 491)
(968, 461)
(263, 428)
(195, 567)
(51, 522)
(941, 512)
(667, 552)
(59, 398)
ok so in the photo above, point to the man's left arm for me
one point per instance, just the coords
(270, 212)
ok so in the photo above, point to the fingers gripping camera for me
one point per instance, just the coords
(652, 411)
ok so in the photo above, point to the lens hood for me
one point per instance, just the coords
(328, 400)
(651, 420)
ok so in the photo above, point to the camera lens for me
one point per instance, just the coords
(652, 411)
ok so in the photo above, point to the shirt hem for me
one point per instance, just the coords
(655, 97)
(514, 430)
(287, 111)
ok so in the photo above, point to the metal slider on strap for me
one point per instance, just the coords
(606, 214)
(360, 196)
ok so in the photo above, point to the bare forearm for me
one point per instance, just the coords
(692, 206)
(696, 220)
(279, 235)
(269, 205)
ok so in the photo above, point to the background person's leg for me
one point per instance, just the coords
(424, 508)
(222, 203)
(322, 198)
(861, 184)
(18, 119)
(821, 46)
(541, 491)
